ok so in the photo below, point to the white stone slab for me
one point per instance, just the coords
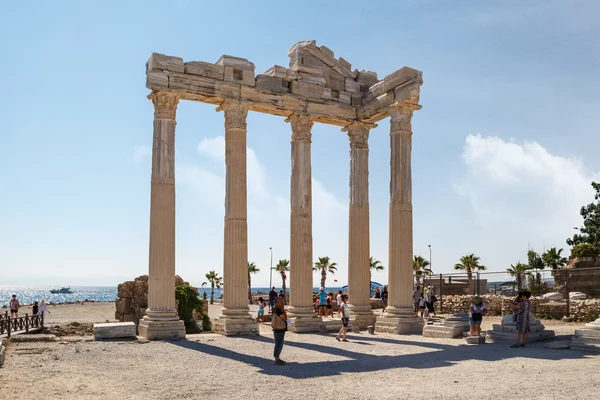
(2, 354)
(114, 330)
(554, 296)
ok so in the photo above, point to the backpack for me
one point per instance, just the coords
(277, 323)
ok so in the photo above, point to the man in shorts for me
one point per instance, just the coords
(322, 302)
(416, 298)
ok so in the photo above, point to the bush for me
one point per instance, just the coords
(584, 250)
(187, 302)
(591, 315)
(206, 323)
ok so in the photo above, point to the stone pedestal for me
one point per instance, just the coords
(359, 263)
(161, 320)
(399, 316)
(235, 318)
(452, 327)
(507, 330)
(588, 338)
(475, 339)
(114, 330)
(301, 312)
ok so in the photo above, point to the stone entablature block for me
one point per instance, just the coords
(316, 83)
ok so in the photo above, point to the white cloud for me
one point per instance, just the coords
(522, 190)
(141, 152)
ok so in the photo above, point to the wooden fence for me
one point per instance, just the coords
(8, 324)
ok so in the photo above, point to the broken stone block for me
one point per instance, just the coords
(326, 93)
(270, 84)
(335, 81)
(352, 86)
(204, 69)
(276, 71)
(114, 330)
(157, 80)
(345, 97)
(314, 79)
(162, 62)
(399, 77)
(125, 289)
(366, 79)
(307, 90)
(237, 75)
(235, 62)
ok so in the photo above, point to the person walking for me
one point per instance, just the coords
(279, 325)
(476, 316)
(43, 308)
(430, 298)
(339, 301)
(322, 302)
(416, 298)
(329, 307)
(272, 297)
(14, 307)
(522, 310)
(36, 308)
(384, 297)
(261, 310)
(345, 319)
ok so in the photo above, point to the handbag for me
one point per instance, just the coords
(277, 323)
(476, 317)
(434, 299)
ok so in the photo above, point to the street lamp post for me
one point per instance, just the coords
(430, 264)
(271, 270)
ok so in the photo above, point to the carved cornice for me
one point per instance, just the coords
(301, 127)
(401, 116)
(235, 115)
(358, 133)
(165, 104)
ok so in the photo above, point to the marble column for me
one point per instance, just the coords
(587, 338)
(161, 321)
(399, 316)
(235, 317)
(359, 265)
(301, 309)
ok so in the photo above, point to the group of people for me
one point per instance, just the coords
(424, 302)
(37, 308)
(522, 308)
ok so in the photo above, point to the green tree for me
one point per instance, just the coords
(584, 250)
(283, 266)
(553, 259)
(590, 231)
(536, 264)
(469, 263)
(187, 302)
(325, 266)
(215, 281)
(519, 271)
(375, 265)
(252, 269)
(420, 268)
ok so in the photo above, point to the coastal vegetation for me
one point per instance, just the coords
(420, 268)
(469, 263)
(215, 281)
(283, 267)
(252, 269)
(325, 266)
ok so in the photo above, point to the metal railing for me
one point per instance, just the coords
(8, 324)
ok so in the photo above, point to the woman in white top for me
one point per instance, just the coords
(345, 310)
(43, 309)
(476, 316)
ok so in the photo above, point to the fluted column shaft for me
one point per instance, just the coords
(400, 224)
(301, 243)
(235, 268)
(358, 226)
(161, 274)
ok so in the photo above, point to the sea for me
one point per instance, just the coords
(29, 294)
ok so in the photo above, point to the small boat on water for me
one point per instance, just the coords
(65, 290)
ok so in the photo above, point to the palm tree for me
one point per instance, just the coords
(324, 265)
(252, 269)
(553, 259)
(375, 265)
(420, 268)
(215, 281)
(469, 263)
(282, 267)
(520, 271)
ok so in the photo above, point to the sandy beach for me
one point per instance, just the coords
(212, 366)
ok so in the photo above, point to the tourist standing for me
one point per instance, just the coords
(416, 298)
(423, 306)
(339, 301)
(43, 308)
(329, 308)
(282, 296)
(279, 325)
(272, 297)
(522, 310)
(345, 319)
(384, 297)
(377, 292)
(261, 310)
(430, 299)
(322, 302)
(476, 316)
(14, 307)
(35, 309)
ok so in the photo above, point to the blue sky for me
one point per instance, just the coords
(504, 148)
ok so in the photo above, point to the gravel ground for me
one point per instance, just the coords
(368, 367)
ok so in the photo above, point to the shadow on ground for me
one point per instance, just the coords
(443, 355)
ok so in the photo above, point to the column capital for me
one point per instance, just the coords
(235, 114)
(301, 127)
(358, 133)
(165, 104)
(400, 117)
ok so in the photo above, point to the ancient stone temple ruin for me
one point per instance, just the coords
(317, 87)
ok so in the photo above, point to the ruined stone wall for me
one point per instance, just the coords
(500, 305)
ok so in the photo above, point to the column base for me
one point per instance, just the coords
(304, 319)
(400, 321)
(363, 315)
(234, 322)
(162, 329)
